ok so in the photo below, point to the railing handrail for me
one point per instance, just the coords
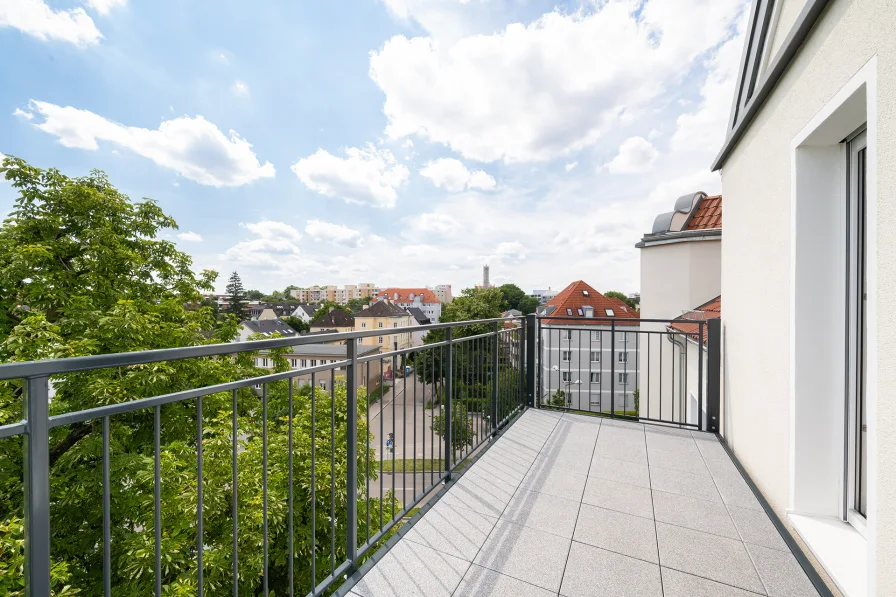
(142, 357)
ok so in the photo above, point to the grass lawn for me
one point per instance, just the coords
(377, 393)
(407, 465)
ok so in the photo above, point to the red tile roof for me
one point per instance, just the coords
(708, 214)
(404, 294)
(708, 310)
(579, 295)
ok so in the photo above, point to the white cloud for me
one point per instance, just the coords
(436, 223)
(35, 18)
(454, 176)
(636, 154)
(193, 237)
(104, 7)
(408, 144)
(513, 251)
(333, 233)
(240, 88)
(571, 165)
(23, 114)
(366, 176)
(536, 92)
(193, 147)
(270, 229)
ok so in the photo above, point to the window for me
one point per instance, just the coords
(566, 376)
(264, 362)
(585, 292)
(595, 356)
(609, 312)
(567, 355)
(303, 363)
(363, 324)
(568, 311)
(323, 385)
(595, 377)
(380, 324)
(595, 336)
(293, 362)
(395, 325)
(580, 312)
(623, 357)
(622, 338)
(623, 378)
(381, 339)
(567, 334)
(314, 362)
(360, 340)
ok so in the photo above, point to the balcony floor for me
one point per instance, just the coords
(572, 505)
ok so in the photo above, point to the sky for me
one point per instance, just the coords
(399, 142)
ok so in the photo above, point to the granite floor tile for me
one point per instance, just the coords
(622, 497)
(679, 584)
(682, 483)
(755, 527)
(482, 582)
(555, 481)
(526, 554)
(709, 516)
(623, 533)
(412, 570)
(453, 530)
(781, 574)
(594, 572)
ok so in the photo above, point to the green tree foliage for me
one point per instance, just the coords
(558, 399)
(528, 304)
(515, 298)
(297, 324)
(325, 308)
(210, 304)
(83, 272)
(622, 297)
(355, 305)
(254, 295)
(236, 298)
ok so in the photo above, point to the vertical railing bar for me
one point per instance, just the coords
(235, 490)
(404, 429)
(394, 429)
(700, 376)
(351, 440)
(264, 483)
(612, 368)
(367, 454)
(660, 340)
(107, 514)
(648, 375)
(313, 488)
(157, 496)
(638, 371)
(381, 415)
(414, 431)
(495, 365)
(291, 512)
(200, 586)
(332, 471)
(37, 487)
(448, 398)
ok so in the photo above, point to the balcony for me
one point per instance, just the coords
(472, 465)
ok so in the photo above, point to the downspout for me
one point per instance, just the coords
(682, 382)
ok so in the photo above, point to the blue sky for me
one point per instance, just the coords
(402, 142)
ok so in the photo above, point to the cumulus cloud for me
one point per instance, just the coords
(636, 154)
(273, 230)
(539, 91)
(454, 176)
(366, 176)
(23, 114)
(104, 7)
(37, 19)
(193, 147)
(273, 248)
(193, 237)
(437, 223)
(333, 233)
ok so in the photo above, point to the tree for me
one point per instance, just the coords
(254, 295)
(325, 308)
(287, 292)
(297, 324)
(512, 294)
(211, 304)
(236, 298)
(82, 272)
(528, 304)
(618, 295)
(356, 305)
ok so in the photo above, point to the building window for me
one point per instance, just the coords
(580, 312)
(380, 324)
(566, 376)
(567, 334)
(363, 324)
(323, 385)
(395, 325)
(623, 357)
(595, 377)
(264, 362)
(595, 356)
(381, 339)
(359, 340)
(623, 378)
(567, 355)
(304, 363)
(595, 336)
(314, 362)
(293, 362)
(609, 312)
(568, 311)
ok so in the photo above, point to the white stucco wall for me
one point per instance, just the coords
(677, 277)
(756, 257)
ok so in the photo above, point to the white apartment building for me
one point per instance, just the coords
(809, 279)
(443, 293)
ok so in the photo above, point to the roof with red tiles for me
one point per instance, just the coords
(573, 299)
(708, 214)
(687, 323)
(404, 294)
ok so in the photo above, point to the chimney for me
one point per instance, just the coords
(364, 306)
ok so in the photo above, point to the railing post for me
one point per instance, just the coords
(700, 329)
(495, 364)
(531, 357)
(351, 435)
(37, 487)
(522, 398)
(714, 375)
(613, 368)
(446, 413)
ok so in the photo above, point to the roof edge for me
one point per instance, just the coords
(800, 31)
(684, 236)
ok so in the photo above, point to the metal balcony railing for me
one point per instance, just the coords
(347, 449)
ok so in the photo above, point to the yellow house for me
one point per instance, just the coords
(393, 322)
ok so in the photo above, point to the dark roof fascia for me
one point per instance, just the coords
(666, 238)
(798, 33)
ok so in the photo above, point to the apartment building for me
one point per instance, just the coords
(443, 293)
(337, 320)
(543, 296)
(421, 298)
(581, 331)
(317, 294)
(395, 323)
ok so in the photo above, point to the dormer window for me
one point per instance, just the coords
(609, 312)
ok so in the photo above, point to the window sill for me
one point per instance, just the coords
(839, 548)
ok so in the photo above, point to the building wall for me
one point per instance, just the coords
(300, 361)
(390, 334)
(677, 277)
(757, 280)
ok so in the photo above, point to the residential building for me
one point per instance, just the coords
(305, 312)
(314, 355)
(421, 298)
(419, 319)
(276, 309)
(366, 289)
(265, 327)
(317, 294)
(544, 296)
(578, 334)
(681, 266)
(337, 320)
(391, 319)
(443, 293)
(809, 175)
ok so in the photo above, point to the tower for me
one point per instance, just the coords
(485, 283)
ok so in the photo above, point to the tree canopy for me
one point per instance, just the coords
(622, 297)
(83, 271)
(236, 298)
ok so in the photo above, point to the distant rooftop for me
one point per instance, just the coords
(695, 216)
(581, 300)
(708, 310)
(381, 309)
(268, 327)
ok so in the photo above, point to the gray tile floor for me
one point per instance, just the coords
(577, 506)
